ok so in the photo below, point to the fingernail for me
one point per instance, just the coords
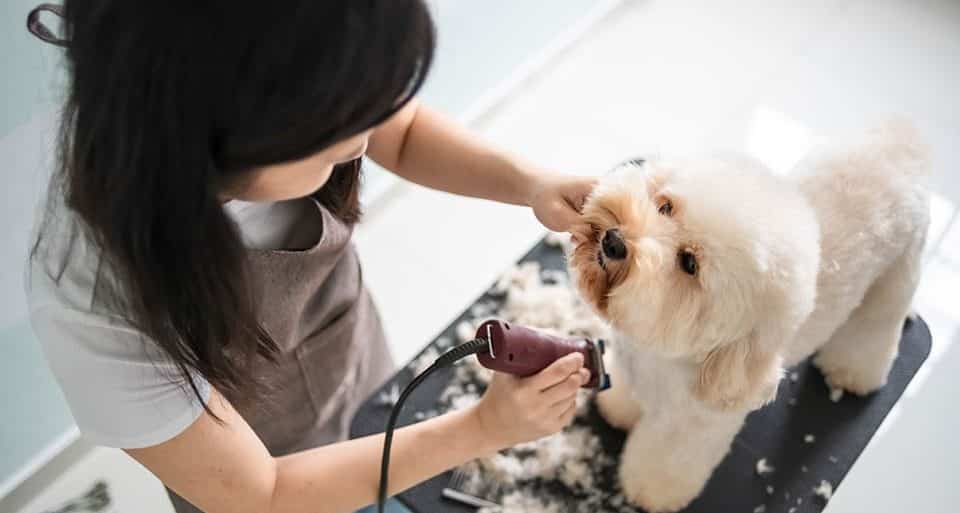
(584, 376)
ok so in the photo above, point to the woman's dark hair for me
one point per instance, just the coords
(170, 101)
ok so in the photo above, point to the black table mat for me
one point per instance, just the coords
(776, 432)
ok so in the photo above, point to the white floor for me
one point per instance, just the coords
(764, 76)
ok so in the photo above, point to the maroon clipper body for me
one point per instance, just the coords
(523, 352)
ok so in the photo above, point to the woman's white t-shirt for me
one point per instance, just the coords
(121, 389)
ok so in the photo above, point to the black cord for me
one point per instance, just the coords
(475, 346)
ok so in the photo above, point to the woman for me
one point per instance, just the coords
(193, 284)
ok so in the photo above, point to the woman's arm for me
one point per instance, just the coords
(225, 467)
(422, 146)
(222, 468)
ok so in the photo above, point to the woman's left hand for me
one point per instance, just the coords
(557, 199)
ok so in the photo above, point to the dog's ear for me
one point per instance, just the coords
(743, 374)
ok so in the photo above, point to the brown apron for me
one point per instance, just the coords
(333, 350)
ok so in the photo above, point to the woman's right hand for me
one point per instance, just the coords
(515, 410)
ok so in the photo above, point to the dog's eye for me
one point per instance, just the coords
(688, 262)
(665, 208)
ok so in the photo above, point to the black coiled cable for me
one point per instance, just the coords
(475, 346)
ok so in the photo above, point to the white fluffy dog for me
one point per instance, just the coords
(716, 274)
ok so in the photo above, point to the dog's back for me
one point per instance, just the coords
(872, 205)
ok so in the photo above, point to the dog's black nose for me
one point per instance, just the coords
(613, 246)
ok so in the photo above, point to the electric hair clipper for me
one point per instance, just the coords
(524, 352)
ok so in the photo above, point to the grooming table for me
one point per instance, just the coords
(776, 432)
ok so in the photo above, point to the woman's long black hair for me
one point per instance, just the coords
(171, 101)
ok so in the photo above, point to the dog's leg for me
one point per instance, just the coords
(858, 356)
(617, 405)
(667, 461)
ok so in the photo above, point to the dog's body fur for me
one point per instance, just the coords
(824, 262)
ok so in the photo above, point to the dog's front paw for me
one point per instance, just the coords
(861, 378)
(656, 492)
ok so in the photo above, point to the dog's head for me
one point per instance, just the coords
(713, 260)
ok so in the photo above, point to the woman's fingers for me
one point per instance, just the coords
(565, 215)
(567, 414)
(557, 372)
(576, 191)
(567, 388)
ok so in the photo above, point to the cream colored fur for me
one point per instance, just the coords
(824, 262)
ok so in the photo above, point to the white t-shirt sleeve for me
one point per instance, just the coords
(121, 391)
